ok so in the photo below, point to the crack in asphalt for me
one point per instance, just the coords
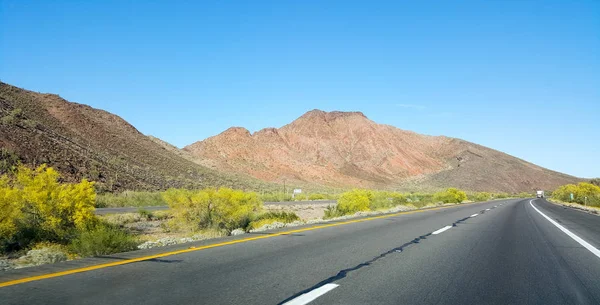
(343, 273)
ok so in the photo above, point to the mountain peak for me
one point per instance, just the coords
(346, 149)
(237, 131)
(332, 115)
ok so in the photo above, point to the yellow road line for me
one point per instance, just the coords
(191, 249)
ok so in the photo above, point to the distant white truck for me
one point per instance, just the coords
(540, 194)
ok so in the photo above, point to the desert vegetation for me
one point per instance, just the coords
(281, 196)
(369, 200)
(479, 196)
(451, 195)
(130, 199)
(44, 220)
(54, 220)
(584, 193)
(148, 198)
(221, 210)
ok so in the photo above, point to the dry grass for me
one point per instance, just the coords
(590, 209)
(304, 211)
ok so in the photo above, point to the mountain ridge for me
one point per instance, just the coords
(347, 149)
(83, 142)
(319, 149)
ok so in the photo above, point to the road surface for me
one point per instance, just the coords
(500, 252)
(102, 211)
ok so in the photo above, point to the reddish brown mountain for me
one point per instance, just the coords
(340, 149)
(83, 142)
(346, 149)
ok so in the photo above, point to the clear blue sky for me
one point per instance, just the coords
(519, 76)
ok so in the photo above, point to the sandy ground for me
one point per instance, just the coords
(152, 229)
(304, 211)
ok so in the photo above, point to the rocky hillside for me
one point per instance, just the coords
(346, 149)
(83, 142)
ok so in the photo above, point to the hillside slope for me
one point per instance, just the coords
(83, 142)
(346, 149)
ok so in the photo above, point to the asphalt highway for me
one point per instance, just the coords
(518, 251)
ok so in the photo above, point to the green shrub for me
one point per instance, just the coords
(580, 192)
(354, 201)
(450, 195)
(300, 197)
(161, 215)
(480, 196)
(332, 212)
(224, 209)
(317, 197)
(281, 216)
(130, 199)
(365, 200)
(276, 197)
(12, 117)
(271, 217)
(398, 199)
(145, 214)
(501, 195)
(102, 239)
(8, 161)
(121, 219)
(419, 200)
(385, 200)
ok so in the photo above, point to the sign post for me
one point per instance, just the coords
(296, 191)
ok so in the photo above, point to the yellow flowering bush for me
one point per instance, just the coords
(583, 193)
(224, 209)
(35, 206)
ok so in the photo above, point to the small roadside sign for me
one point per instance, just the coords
(296, 191)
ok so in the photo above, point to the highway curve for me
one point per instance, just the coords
(499, 252)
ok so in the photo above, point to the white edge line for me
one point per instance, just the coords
(487, 209)
(442, 230)
(474, 215)
(311, 295)
(566, 231)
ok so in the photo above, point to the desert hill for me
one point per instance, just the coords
(346, 149)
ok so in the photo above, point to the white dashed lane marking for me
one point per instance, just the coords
(442, 230)
(311, 295)
(315, 293)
